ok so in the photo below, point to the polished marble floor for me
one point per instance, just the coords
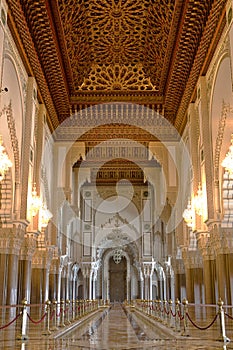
(114, 328)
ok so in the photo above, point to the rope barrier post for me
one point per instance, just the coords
(185, 331)
(68, 312)
(153, 308)
(55, 309)
(73, 310)
(160, 303)
(164, 312)
(80, 308)
(156, 309)
(23, 335)
(47, 322)
(77, 309)
(177, 315)
(223, 336)
(62, 311)
(171, 314)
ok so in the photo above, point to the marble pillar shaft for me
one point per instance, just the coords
(24, 285)
(39, 285)
(194, 284)
(209, 271)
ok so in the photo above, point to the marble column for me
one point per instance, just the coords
(223, 281)
(142, 296)
(209, 268)
(63, 284)
(180, 286)
(230, 275)
(53, 279)
(75, 269)
(148, 268)
(11, 239)
(206, 246)
(95, 267)
(86, 271)
(223, 243)
(194, 275)
(25, 266)
(40, 275)
(168, 287)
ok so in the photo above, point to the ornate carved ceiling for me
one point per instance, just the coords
(86, 52)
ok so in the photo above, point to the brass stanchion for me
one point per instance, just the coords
(62, 312)
(164, 312)
(73, 309)
(23, 335)
(77, 307)
(47, 322)
(67, 312)
(223, 336)
(177, 319)
(161, 310)
(54, 310)
(170, 314)
(185, 331)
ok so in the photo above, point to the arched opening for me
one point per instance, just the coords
(117, 280)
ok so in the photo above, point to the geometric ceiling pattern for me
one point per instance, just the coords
(87, 52)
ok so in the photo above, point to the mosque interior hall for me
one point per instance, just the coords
(116, 174)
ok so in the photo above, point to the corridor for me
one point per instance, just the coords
(110, 329)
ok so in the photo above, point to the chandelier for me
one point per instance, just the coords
(199, 201)
(188, 214)
(46, 215)
(117, 255)
(227, 162)
(36, 202)
(5, 162)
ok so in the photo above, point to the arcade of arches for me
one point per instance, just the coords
(92, 206)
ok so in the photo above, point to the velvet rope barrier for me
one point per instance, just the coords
(52, 315)
(229, 316)
(173, 314)
(12, 321)
(166, 312)
(37, 322)
(180, 316)
(202, 328)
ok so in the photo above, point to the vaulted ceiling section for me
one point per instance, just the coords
(87, 52)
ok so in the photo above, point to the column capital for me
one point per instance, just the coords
(192, 258)
(11, 238)
(28, 247)
(148, 268)
(86, 268)
(178, 266)
(224, 241)
(205, 245)
(42, 257)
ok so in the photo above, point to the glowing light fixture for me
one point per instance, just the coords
(46, 215)
(36, 202)
(227, 162)
(5, 162)
(188, 214)
(199, 201)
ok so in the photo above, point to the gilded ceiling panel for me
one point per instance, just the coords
(116, 44)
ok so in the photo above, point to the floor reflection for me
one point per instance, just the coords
(114, 329)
